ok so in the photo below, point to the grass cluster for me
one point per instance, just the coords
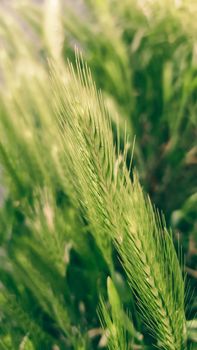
(87, 261)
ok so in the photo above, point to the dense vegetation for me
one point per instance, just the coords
(98, 127)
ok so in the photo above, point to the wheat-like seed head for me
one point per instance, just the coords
(117, 208)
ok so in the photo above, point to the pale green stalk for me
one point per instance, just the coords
(117, 208)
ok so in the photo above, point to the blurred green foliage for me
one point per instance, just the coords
(143, 56)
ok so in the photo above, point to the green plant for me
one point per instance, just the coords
(74, 211)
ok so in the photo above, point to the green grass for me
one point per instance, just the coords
(90, 143)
